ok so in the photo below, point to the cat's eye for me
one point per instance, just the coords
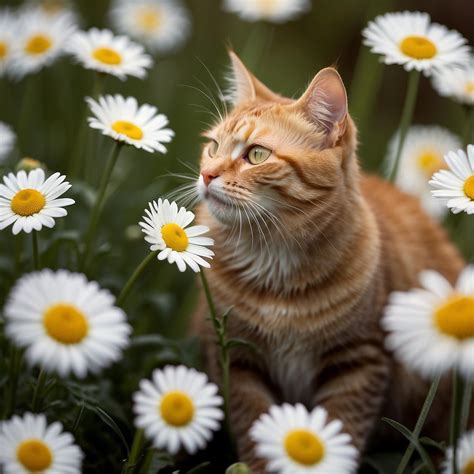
(212, 148)
(258, 154)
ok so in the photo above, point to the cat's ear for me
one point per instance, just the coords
(244, 86)
(325, 103)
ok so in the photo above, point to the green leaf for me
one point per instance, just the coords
(108, 420)
(200, 468)
(416, 442)
(435, 444)
(238, 342)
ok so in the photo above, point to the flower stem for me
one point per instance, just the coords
(147, 461)
(137, 445)
(469, 127)
(36, 403)
(78, 418)
(407, 116)
(224, 352)
(134, 277)
(456, 412)
(419, 424)
(466, 404)
(36, 255)
(11, 387)
(96, 210)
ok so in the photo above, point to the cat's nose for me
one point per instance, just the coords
(208, 176)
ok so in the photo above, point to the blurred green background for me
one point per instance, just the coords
(47, 111)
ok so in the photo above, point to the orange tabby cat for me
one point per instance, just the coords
(307, 251)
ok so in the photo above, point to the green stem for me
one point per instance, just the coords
(466, 405)
(419, 424)
(407, 116)
(99, 202)
(11, 387)
(135, 275)
(134, 455)
(147, 461)
(78, 418)
(37, 394)
(224, 352)
(469, 127)
(36, 255)
(456, 412)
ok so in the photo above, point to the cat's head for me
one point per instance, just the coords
(275, 156)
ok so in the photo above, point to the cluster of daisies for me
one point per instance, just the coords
(37, 34)
(430, 329)
(428, 160)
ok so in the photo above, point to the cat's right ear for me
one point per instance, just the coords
(325, 104)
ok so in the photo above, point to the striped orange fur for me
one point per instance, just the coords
(308, 249)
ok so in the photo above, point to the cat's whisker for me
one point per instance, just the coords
(219, 89)
(211, 100)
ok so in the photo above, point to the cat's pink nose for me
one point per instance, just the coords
(207, 177)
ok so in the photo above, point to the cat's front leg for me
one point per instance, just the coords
(352, 388)
(249, 398)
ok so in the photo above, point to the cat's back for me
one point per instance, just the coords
(411, 240)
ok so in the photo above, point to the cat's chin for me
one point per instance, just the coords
(220, 208)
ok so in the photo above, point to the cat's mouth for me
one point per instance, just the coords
(217, 199)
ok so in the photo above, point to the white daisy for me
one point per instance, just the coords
(411, 40)
(178, 408)
(162, 25)
(456, 185)
(166, 229)
(40, 40)
(65, 322)
(123, 120)
(294, 440)
(101, 51)
(456, 83)
(465, 455)
(276, 11)
(422, 155)
(431, 329)
(29, 202)
(7, 140)
(7, 37)
(30, 445)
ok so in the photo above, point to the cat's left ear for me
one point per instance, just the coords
(245, 86)
(325, 104)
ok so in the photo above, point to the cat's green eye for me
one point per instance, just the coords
(212, 148)
(258, 154)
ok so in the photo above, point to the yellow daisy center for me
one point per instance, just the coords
(304, 447)
(3, 49)
(469, 187)
(469, 86)
(149, 19)
(34, 455)
(52, 7)
(455, 317)
(469, 467)
(418, 47)
(430, 162)
(175, 237)
(128, 128)
(267, 6)
(27, 202)
(38, 44)
(107, 56)
(65, 323)
(177, 408)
